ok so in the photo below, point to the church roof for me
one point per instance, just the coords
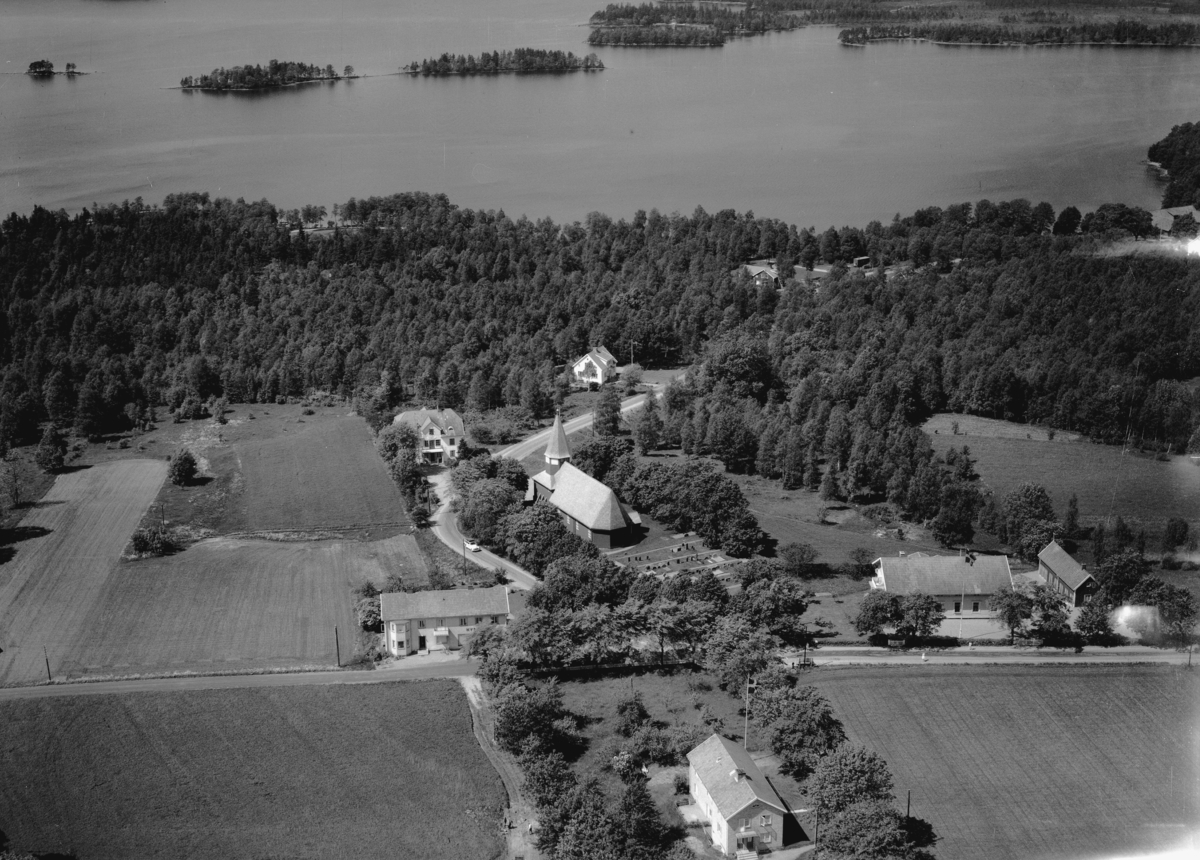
(558, 448)
(584, 499)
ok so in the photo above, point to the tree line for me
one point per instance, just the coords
(520, 60)
(1120, 32)
(657, 36)
(278, 73)
(1179, 154)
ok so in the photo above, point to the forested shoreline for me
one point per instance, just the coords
(519, 60)
(1179, 154)
(1121, 32)
(278, 73)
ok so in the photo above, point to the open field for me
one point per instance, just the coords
(228, 604)
(384, 770)
(72, 541)
(1135, 486)
(1033, 762)
(278, 471)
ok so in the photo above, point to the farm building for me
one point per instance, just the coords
(597, 366)
(425, 621)
(963, 583)
(1065, 576)
(745, 812)
(588, 507)
(441, 432)
(1164, 219)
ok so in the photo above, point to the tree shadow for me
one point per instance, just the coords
(21, 533)
(69, 470)
(42, 504)
(201, 481)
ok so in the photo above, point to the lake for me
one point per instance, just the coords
(789, 125)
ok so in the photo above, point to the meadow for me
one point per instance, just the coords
(387, 770)
(71, 542)
(1031, 762)
(1108, 481)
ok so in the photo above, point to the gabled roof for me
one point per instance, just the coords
(715, 762)
(1164, 219)
(558, 448)
(944, 574)
(1066, 568)
(401, 606)
(445, 420)
(599, 355)
(581, 497)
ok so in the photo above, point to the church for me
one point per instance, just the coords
(589, 508)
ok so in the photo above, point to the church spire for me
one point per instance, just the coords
(557, 449)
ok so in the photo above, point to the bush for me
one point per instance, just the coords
(153, 541)
(367, 612)
(680, 782)
(182, 470)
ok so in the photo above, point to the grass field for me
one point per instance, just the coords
(1135, 486)
(285, 471)
(380, 770)
(1036, 763)
(73, 540)
(227, 604)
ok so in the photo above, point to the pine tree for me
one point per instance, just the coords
(647, 433)
(608, 412)
(52, 450)
(829, 484)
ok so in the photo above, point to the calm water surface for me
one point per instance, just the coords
(788, 125)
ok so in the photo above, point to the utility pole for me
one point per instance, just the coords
(47, 656)
(746, 728)
(908, 806)
(464, 560)
(337, 644)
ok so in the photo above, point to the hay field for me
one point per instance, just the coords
(1036, 763)
(55, 576)
(227, 604)
(1135, 486)
(377, 770)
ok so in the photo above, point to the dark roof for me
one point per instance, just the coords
(401, 606)
(715, 761)
(1066, 568)
(944, 574)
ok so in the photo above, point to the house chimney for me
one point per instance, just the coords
(738, 774)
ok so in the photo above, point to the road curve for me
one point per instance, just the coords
(445, 525)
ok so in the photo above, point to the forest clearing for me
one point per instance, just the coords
(303, 772)
(1032, 761)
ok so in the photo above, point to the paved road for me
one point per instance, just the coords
(444, 522)
(414, 671)
(851, 656)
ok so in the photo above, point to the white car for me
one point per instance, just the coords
(471, 545)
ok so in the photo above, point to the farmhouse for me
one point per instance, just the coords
(745, 812)
(441, 432)
(1164, 219)
(597, 366)
(963, 583)
(1065, 576)
(589, 508)
(425, 621)
(763, 273)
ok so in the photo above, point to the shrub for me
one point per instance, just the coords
(680, 782)
(631, 714)
(182, 470)
(52, 450)
(367, 612)
(152, 541)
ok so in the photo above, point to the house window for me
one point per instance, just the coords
(766, 837)
(495, 619)
(421, 623)
(957, 606)
(478, 619)
(766, 821)
(975, 606)
(743, 823)
(462, 622)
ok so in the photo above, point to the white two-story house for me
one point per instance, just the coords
(441, 432)
(424, 621)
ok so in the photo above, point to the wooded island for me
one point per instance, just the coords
(278, 73)
(45, 69)
(519, 60)
(1018, 31)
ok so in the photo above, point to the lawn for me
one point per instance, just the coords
(231, 604)
(68, 545)
(1142, 490)
(383, 770)
(1033, 762)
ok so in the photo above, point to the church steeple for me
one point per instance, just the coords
(557, 449)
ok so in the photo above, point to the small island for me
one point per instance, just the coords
(521, 61)
(277, 73)
(681, 25)
(45, 69)
(657, 36)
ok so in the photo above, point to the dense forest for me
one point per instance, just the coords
(996, 309)
(657, 37)
(521, 60)
(278, 73)
(1120, 32)
(1179, 154)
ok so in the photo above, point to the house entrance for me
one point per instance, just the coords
(420, 643)
(745, 842)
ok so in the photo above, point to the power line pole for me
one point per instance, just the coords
(47, 656)
(337, 644)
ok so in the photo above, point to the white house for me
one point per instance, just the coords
(745, 812)
(597, 366)
(963, 583)
(441, 432)
(424, 621)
